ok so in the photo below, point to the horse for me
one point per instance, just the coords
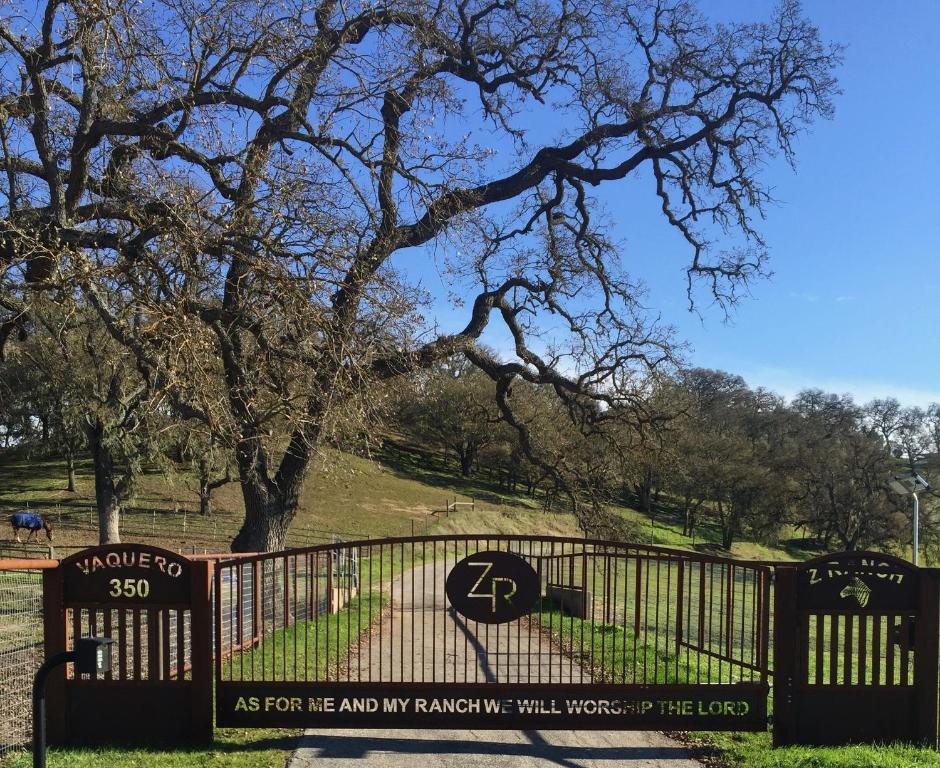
(31, 522)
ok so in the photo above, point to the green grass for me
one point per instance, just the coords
(235, 748)
(392, 495)
(753, 750)
(611, 653)
(318, 647)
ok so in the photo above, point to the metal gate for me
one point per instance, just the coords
(155, 605)
(856, 648)
(492, 632)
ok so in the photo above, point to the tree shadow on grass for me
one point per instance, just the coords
(412, 463)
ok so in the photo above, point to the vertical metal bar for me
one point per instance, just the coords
(785, 640)
(701, 620)
(680, 606)
(586, 606)
(424, 618)
(729, 610)
(614, 634)
(414, 608)
(926, 648)
(905, 650)
(316, 627)
(646, 621)
(434, 614)
(765, 625)
(401, 639)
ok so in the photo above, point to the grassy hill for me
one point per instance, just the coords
(398, 490)
(395, 492)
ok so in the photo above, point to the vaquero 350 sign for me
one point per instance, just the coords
(126, 573)
(493, 587)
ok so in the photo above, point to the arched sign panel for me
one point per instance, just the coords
(862, 582)
(493, 587)
(127, 574)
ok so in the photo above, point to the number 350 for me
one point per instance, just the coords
(129, 588)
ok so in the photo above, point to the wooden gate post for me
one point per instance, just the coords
(926, 651)
(55, 640)
(786, 633)
(201, 643)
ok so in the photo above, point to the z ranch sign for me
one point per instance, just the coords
(477, 632)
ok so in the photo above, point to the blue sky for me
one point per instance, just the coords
(854, 302)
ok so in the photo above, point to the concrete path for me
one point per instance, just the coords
(433, 638)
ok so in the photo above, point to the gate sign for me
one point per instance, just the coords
(860, 582)
(492, 706)
(127, 574)
(493, 587)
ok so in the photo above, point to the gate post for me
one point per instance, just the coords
(926, 650)
(201, 644)
(785, 652)
(55, 641)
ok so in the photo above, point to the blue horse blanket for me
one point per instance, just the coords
(28, 520)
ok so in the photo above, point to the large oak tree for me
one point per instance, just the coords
(243, 190)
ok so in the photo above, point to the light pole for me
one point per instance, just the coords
(91, 654)
(911, 484)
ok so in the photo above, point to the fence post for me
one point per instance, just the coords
(680, 609)
(926, 649)
(55, 640)
(201, 642)
(256, 604)
(786, 643)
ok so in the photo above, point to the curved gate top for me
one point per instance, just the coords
(492, 632)
(856, 633)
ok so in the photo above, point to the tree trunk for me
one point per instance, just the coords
(468, 454)
(205, 497)
(70, 467)
(267, 518)
(107, 500)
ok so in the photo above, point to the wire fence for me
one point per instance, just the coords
(20, 653)
(175, 529)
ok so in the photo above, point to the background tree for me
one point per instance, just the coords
(454, 408)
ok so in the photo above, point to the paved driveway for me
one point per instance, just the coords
(425, 627)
